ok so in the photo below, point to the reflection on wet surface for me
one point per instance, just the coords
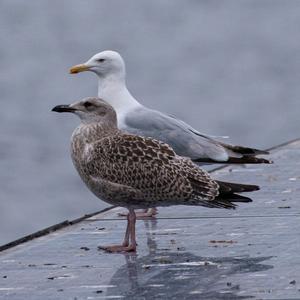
(181, 275)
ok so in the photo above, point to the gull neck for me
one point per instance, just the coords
(113, 90)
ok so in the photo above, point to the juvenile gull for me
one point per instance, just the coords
(137, 172)
(135, 118)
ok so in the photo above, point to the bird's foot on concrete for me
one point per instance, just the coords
(118, 248)
(147, 213)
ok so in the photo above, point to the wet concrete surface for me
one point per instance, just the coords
(186, 253)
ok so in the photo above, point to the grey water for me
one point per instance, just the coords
(226, 67)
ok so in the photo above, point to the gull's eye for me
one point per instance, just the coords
(100, 60)
(87, 104)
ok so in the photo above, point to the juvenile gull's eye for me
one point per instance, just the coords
(101, 60)
(88, 104)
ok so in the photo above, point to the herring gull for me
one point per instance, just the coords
(138, 172)
(135, 118)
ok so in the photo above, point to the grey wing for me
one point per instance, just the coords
(185, 140)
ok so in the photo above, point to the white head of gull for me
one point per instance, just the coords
(109, 66)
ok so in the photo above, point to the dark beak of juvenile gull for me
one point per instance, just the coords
(63, 108)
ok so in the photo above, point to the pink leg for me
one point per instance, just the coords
(126, 237)
(130, 234)
(132, 219)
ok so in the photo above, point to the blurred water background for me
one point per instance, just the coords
(226, 67)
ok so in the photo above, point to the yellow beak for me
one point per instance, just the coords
(79, 68)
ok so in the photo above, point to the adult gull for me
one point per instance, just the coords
(135, 118)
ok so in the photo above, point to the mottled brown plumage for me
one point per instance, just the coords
(137, 172)
(147, 172)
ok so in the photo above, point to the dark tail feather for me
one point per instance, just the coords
(234, 198)
(236, 160)
(226, 201)
(228, 195)
(227, 188)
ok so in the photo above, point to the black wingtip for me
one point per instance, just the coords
(259, 152)
(235, 160)
(248, 160)
(251, 188)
